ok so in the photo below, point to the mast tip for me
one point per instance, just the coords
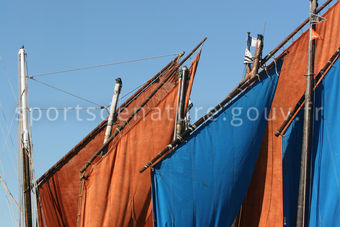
(119, 80)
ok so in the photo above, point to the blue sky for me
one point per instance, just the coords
(65, 34)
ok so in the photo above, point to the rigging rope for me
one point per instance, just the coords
(67, 108)
(68, 93)
(135, 89)
(101, 65)
(8, 80)
(4, 185)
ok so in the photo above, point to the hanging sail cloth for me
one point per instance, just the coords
(263, 205)
(204, 181)
(114, 193)
(58, 189)
(324, 188)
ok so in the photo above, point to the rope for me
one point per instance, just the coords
(4, 185)
(67, 108)
(9, 81)
(68, 93)
(131, 91)
(101, 65)
(8, 137)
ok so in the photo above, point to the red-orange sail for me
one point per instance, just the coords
(263, 205)
(58, 189)
(114, 193)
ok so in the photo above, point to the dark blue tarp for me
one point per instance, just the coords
(204, 182)
(324, 186)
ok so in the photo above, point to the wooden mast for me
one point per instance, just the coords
(113, 107)
(180, 122)
(308, 125)
(257, 58)
(25, 143)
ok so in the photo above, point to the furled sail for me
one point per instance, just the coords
(324, 186)
(58, 189)
(263, 205)
(113, 192)
(204, 181)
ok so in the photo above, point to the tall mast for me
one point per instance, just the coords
(308, 124)
(25, 144)
(113, 107)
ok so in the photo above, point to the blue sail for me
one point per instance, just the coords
(324, 186)
(205, 180)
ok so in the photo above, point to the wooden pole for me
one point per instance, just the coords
(274, 51)
(301, 101)
(257, 57)
(25, 144)
(113, 107)
(308, 126)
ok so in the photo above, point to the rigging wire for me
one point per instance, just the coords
(69, 108)
(68, 93)
(101, 65)
(7, 137)
(6, 145)
(9, 196)
(4, 185)
(133, 90)
(8, 80)
(89, 107)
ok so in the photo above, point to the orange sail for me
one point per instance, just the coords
(58, 189)
(114, 193)
(263, 205)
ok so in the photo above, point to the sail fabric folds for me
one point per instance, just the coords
(114, 193)
(263, 205)
(59, 188)
(324, 185)
(204, 181)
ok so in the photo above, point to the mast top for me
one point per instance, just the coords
(119, 80)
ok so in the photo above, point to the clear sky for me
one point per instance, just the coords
(64, 34)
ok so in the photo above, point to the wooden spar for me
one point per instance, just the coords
(25, 144)
(113, 107)
(307, 126)
(257, 60)
(180, 122)
(238, 90)
(257, 56)
(97, 130)
(301, 101)
(273, 52)
(153, 79)
(121, 127)
(247, 65)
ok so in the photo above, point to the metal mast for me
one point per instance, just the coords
(25, 144)
(308, 124)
